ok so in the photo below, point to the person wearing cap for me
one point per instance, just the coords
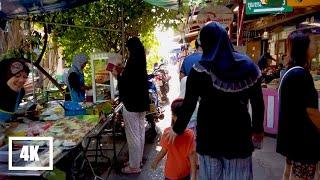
(190, 60)
(75, 79)
(225, 81)
(13, 75)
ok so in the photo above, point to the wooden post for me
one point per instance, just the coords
(230, 31)
(240, 23)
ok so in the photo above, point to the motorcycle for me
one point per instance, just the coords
(162, 83)
(155, 113)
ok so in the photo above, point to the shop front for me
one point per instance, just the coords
(273, 33)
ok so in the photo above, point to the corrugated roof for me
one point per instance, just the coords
(16, 8)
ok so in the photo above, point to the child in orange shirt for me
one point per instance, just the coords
(181, 155)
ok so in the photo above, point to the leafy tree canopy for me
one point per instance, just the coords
(140, 18)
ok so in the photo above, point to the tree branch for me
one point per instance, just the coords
(44, 72)
(45, 43)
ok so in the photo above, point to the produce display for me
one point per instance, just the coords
(69, 132)
(31, 128)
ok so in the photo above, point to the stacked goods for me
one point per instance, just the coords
(69, 132)
(102, 76)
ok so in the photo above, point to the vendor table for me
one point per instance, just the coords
(96, 131)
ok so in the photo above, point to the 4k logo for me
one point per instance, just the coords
(30, 153)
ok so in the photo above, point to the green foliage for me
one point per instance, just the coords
(151, 45)
(18, 53)
(140, 18)
(33, 40)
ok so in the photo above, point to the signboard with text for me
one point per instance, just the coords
(266, 7)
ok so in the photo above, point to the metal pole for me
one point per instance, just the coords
(94, 91)
(240, 24)
(76, 26)
(122, 34)
(32, 68)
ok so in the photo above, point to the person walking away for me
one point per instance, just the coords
(225, 80)
(13, 75)
(190, 60)
(76, 89)
(181, 155)
(133, 93)
(299, 119)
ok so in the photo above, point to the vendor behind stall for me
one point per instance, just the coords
(75, 79)
(265, 61)
(268, 69)
(13, 76)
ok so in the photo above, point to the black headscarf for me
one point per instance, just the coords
(11, 67)
(230, 71)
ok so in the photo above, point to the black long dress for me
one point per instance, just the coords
(298, 138)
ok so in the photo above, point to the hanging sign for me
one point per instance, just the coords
(267, 7)
(220, 14)
(303, 3)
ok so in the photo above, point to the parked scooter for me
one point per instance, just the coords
(155, 113)
(162, 84)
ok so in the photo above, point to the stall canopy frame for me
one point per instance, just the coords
(10, 9)
(22, 9)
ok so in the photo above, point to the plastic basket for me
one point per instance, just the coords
(73, 109)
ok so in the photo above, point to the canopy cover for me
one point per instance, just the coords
(169, 4)
(16, 8)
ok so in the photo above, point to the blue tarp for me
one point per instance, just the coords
(16, 8)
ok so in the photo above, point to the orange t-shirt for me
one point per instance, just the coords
(178, 164)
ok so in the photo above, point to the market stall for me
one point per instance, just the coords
(272, 80)
(69, 135)
(104, 84)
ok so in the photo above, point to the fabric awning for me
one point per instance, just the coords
(17, 8)
(169, 4)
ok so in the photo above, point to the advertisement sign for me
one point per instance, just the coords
(267, 7)
(219, 14)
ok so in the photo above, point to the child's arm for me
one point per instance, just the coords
(193, 163)
(158, 158)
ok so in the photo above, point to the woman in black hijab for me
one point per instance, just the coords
(225, 81)
(13, 76)
(133, 92)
